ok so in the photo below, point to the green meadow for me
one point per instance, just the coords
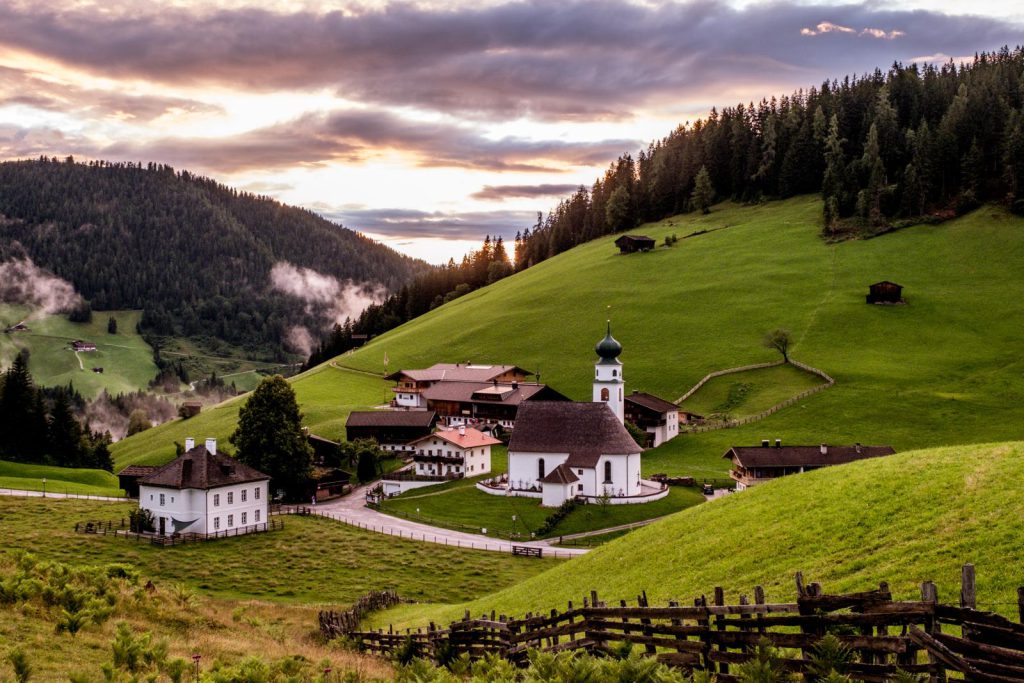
(944, 369)
(904, 519)
(126, 359)
(29, 477)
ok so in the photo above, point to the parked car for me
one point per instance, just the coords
(708, 490)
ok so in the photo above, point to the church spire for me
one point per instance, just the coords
(608, 348)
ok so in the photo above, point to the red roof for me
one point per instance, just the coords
(472, 438)
(457, 372)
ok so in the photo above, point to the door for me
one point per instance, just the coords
(163, 525)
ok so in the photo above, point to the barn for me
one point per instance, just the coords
(629, 244)
(885, 292)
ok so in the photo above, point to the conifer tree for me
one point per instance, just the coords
(703, 193)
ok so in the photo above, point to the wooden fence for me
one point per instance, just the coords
(113, 528)
(829, 381)
(923, 637)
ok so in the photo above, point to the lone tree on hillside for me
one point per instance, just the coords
(269, 436)
(779, 340)
(112, 325)
(703, 192)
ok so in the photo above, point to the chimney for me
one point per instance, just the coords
(824, 449)
(778, 443)
(462, 430)
(190, 443)
(211, 445)
(858, 446)
(765, 443)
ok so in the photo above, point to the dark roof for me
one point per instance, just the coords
(391, 418)
(138, 470)
(585, 431)
(469, 392)
(458, 372)
(887, 283)
(651, 402)
(560, 475)
(803, 456)
(634, 238)
(200, 469)
(320, 439)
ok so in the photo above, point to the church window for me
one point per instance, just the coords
(540, 468)
(607, 471)
(604, 394)
(615, 373)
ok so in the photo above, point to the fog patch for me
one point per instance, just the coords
(23, 283)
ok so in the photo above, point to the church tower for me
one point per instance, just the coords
(609, 386)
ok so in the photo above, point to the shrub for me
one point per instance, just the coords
(19, 662)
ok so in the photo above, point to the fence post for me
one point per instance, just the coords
(968, 595)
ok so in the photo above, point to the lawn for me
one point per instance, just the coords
(327, 394)
(903, 519)
(742, 394)
(29, 477)
(126, 359)
(312, 560)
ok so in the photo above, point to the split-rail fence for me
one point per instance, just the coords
(922, 637)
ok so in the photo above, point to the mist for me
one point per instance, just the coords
(23, 283)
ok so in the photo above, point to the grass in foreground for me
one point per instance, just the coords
(126, 359)
(904, 519)
(312, 560)
(29, 477)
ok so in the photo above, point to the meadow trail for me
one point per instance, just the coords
(826, 299)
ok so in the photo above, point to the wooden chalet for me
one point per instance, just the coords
(885, 292)
(466, 403)
(79, 345)
(410, 384)
(20, 327)
(629, 244)
(656, 416)
(128, 478)
(757, 464)
(324, 450)
(190, 409)
(392, 429)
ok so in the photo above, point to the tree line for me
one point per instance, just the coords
(38, 425)
(195, 255)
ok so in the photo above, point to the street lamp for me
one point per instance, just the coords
(44, 487)
(196, 658)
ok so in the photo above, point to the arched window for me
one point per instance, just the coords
(615, 373)
(607, 471)
(540, 468)
(604, 394)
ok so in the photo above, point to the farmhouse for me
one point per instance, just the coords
(561, 450)
(629, 244)
(656, 416)
(885, 292)
(756, 465)
(468, 403)
(20, 327)
(454, 452)
(205, 492)
(392, 429)
(79, 345)
(410, 384)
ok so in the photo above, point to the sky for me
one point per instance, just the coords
(427, 125)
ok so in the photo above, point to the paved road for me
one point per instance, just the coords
(351, 509)
(54, 494)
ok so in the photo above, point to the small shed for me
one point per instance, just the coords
(190, 409)
(128, 478)
(885, 292)
(628, 244)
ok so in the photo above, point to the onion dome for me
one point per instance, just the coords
(608, 348)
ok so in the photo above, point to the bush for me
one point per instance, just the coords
(560, 513)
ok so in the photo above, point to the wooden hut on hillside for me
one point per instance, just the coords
(885, 292)
(629, 244)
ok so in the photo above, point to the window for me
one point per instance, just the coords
(244, 492)
(231, 520)
(216, 522)
(256, 516)
(216, 500)
(540, 468)
(256, 493)
(244, 520)
(231, 499)
(579, 488)
(604, 394)
(579, 472)
(607, 471)
(172, 499)
(162, 501)
(615, 373)
(151, 496)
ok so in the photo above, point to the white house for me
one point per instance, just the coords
(205, 492)
(463, 451)
(654, 415)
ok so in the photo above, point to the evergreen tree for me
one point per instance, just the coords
(269, 436)
(703, 193)
(112, 325)
(66, 447)
(869, 200)
(833, 185)
(617, 210)
(22, 416)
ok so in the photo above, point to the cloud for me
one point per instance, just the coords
(499, 193)
(571, 60)
(454, 225)
(23, 283)
(325, 296)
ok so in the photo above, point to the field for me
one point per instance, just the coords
(742, 394)
(904, 519)
(126, 359)
(944, 369)
(461, 506)
(327, 394)
(29, 477)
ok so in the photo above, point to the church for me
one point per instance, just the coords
(561, 450)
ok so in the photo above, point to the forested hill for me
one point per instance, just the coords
(911, 142)
(194, 254)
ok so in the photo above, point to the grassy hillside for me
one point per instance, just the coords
(126, 359)
(29, 477)
(903, 519)
(944, 369)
